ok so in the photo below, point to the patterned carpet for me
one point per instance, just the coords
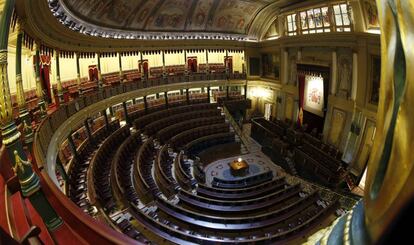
(220, 168)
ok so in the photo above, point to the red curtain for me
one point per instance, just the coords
(192, 64)
(145, 66)
(93, 73)
(45, 62)
(301, 82)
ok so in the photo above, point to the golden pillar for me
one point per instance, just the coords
(6, 111)
(59, 82)
(384, 215)
(21, 101)
(78, 78)
(390, 178)
(39, 88)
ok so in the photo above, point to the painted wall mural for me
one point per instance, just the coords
(370, 14)
(229, 16)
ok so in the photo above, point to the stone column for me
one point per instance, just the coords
(187, 95)
(121, 73)
(39, 88)
(185, 62)
(357, 16)
(142, 66)
(354, 76)
(164, 72)
(28, 179)
(244, 70)
(78, 78)
(21, 101)
(100, 84)
(227, 65)
(59, 83)
(334, 72)
(285, 66)
(207, 66)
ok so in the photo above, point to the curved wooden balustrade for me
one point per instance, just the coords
(57, 126)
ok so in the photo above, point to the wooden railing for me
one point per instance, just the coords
(55, 128)
(237, 129)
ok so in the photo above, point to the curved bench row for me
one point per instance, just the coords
(235, 206)
(160, 124)
(143, 180)
(199, 118)
(245, 182)
(182, 172)
(293, 228)
(99, 184)
(143, 121)
(122, 169)
(78, 177)
(261, 212)
(243, 193)
(163, 173)
(196, 146)
(181, 139)
(245, 222)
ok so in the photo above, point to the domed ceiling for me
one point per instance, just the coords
(139, 19)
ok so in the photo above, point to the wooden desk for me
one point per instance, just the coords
(239, 167)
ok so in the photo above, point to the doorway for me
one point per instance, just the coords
(268, 111)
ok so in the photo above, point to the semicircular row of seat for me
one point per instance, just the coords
(142, 184)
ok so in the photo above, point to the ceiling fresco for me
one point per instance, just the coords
(228, 16)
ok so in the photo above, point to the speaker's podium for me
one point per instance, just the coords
(239, 167)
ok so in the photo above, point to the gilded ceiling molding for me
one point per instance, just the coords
(263, 20)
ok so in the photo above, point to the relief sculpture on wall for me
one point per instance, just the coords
(344, 76)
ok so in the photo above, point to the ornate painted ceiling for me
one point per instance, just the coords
(138, 19)
(230, 16)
